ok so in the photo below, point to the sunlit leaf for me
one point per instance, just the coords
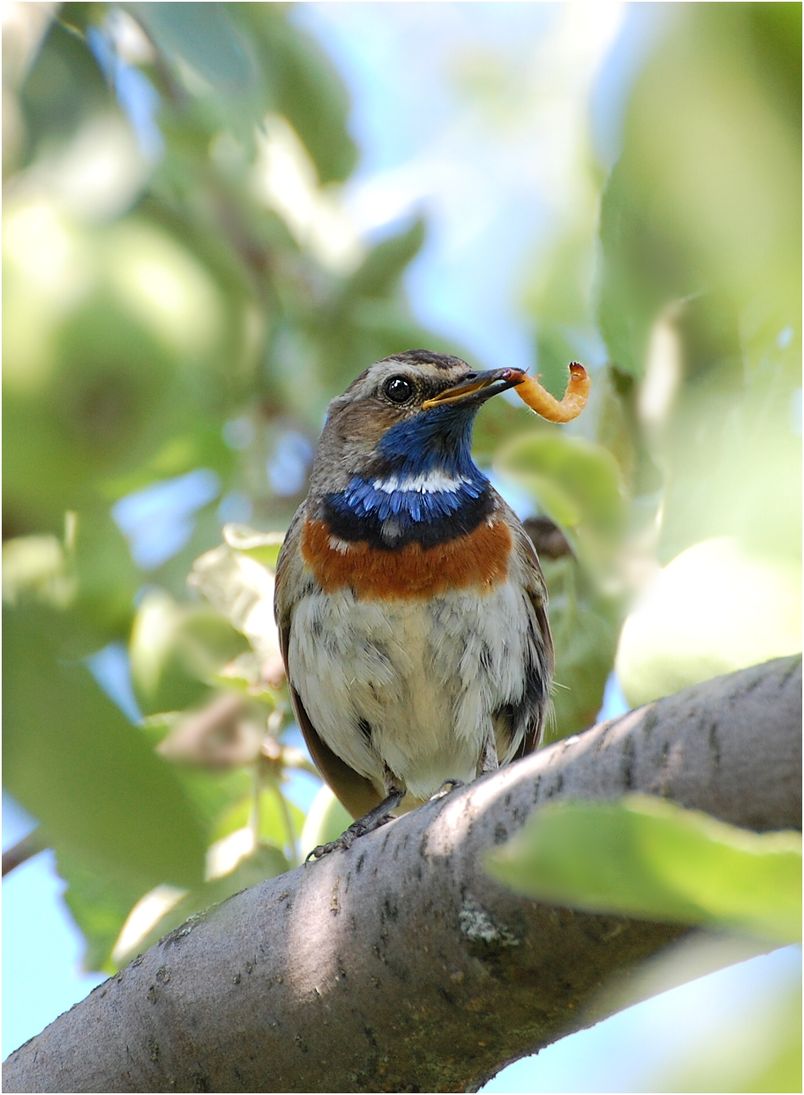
(242, 590)
(713, 609)
(264, 547)
(175, 650)
(648, 858)
(35, 569)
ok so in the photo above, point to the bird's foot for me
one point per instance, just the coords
(371, 821)
(445, 788)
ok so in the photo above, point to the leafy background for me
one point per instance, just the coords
(215, 216)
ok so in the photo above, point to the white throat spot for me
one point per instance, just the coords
(431, 482)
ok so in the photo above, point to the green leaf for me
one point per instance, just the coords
(689, 625)
(326, 820)
(87, 774)
(262, 546)
(648, 858)
(241, 588)
(752, 1044)
(35, 569)
(758, 1049)
(305, 86)
(106, 580)
(176, 650)
(380, 271)
(203, 36)
(575, 481)
(60, 90)
(274, 819)
(585, 626)
(667, 228)
(99, 906)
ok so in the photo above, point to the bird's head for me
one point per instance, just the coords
(406, 416)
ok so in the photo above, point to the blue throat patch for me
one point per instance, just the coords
(394, 504)
(440, 438)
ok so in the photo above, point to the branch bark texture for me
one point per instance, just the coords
(399, 965)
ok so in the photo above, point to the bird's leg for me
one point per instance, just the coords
(445, 788)
(366, 824)
(489, 762)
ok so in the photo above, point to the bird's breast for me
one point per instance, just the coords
(477, 560)
(412, 686)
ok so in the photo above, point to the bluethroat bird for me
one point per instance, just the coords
(410, 602)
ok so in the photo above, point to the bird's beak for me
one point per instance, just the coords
(478, 389)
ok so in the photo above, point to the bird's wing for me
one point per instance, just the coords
(531, 714)
(355, 792)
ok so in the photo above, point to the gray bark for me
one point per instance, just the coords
(400, 966)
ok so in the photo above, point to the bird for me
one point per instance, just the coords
(409, 600)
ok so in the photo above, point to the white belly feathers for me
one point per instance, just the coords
(413, 681)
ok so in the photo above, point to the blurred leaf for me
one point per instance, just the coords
(575, 481)
(175, 650)
(93, 578)
(35, 569)
(748, 1043)
(113, 358)
(372, 328)
(305, 86)
(715, 608)
(99, 905)
(757, 1051)
(719, 481)
(326, 820)
(263, 547)
(648, 858)
(707, 191)
(380, 271)
(106, 581)
(74, 762)
(214, 793)
(80, 413)
(203, 36)
(556, 290)
(242, 590)
(62, 90)
(273, 818)
(585, 626)
(246, 674)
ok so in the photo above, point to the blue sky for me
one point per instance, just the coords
(493, 193)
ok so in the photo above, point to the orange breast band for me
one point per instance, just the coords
(477, 560)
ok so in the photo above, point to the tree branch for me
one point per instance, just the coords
(19, 853)
(400, 966)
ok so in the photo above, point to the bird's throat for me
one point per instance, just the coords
(398, 507)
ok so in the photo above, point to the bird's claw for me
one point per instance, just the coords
(347, 838)
(343, 843)
(445, 788)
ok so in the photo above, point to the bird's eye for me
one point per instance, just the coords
(398, 389)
